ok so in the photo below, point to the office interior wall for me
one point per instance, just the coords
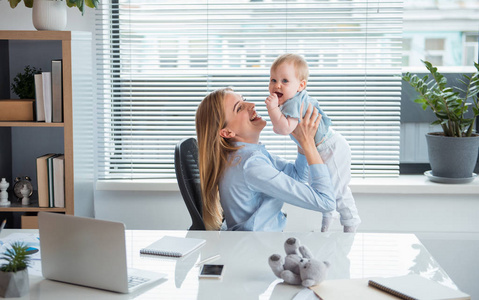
(379, 212)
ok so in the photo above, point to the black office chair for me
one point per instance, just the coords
(188, 177)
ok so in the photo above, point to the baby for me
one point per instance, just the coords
(287, 87)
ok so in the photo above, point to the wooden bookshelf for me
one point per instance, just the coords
(61, 42)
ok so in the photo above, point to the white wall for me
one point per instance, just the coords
(380, 212)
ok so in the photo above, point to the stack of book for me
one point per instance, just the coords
(49, 94)
(51, 180)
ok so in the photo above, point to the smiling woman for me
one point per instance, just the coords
(241, 179)
(243, 124)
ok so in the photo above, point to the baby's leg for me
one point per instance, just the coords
(336, 154)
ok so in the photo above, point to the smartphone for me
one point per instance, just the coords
(211, 271)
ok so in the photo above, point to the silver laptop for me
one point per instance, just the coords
(88, 252)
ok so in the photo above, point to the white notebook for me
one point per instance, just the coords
(414, 286)
(173, 246)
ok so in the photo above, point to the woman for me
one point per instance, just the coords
(241, 179)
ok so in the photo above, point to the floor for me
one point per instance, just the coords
(458, 255)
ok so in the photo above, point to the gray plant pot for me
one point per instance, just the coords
(452, 157)
(14, 284)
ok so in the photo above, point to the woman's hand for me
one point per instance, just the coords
(305, 132)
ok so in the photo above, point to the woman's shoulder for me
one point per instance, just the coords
(250, 153)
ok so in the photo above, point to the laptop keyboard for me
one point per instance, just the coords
(136, 280)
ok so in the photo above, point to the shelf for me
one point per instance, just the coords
(21, 142)
(16, 205)
(29, 124)
(29, 208)
(35, 35)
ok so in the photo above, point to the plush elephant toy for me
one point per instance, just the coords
(298, 266)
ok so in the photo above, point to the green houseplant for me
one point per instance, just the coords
(24, 83)
(52, 14)
(452, 152)
(14, 280)
(80, 4)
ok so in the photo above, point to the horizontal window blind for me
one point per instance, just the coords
(156, 61)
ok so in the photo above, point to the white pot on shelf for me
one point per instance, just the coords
(49, 14)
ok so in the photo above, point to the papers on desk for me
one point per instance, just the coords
(414, 286)
(173, 246)
(32, 240)
(405, 287)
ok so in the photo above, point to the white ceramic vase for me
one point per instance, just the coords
(14, 284)
(49, 14)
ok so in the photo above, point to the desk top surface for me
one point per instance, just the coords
(247, 274)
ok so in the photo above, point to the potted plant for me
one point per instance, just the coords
(24, 87)
(24, 83)
(52, 14)
(453, 152)
(14, 273)
(80, 4)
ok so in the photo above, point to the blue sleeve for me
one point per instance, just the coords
(262, 176)
(299, 170)
(291, 108)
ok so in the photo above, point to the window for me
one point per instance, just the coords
(444, 32)
(447, 37)
(471, 43)
(158, 59)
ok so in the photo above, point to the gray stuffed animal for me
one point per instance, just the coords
(298, 267)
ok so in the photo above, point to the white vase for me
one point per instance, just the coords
(49, 14)
(14, 284)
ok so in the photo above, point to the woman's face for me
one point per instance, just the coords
(243, 124)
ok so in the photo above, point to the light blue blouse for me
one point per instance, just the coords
(292, 108)
(257, 184)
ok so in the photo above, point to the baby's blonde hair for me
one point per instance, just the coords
(300, 64)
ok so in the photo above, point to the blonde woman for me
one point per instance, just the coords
(241, 181)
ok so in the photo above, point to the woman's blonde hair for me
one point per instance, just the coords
(213, 152)
(300, 64)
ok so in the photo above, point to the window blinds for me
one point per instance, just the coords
(156, 61)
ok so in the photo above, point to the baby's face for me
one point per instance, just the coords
(284, 83)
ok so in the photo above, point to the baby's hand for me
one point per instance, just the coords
(272, 101)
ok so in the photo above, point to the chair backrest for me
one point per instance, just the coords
(188, 177)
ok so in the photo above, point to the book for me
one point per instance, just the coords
(42, 180)
(57, 91)
(50, 180)
(349, 289)
(59, 181)
(39, 106)
(173, 246)
(414, 286)
(47, 95)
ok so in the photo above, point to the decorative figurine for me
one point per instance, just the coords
(3, 192)
(22, 183)
(25, 195)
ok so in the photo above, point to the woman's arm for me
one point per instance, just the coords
(275, 178)
(304, 134)
(262, 175)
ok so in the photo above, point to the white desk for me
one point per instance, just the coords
(247, 274)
